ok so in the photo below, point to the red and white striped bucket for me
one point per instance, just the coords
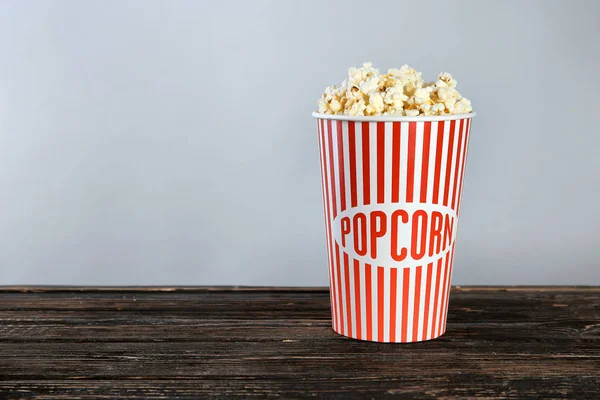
(391, 193)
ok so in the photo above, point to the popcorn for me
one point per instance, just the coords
(445, 93)
(335, 105)
(438, 108)
(369, 85)
(446, 79)
(366, 92)
(461, 106)
(358, 108)
(375, 103)
(395, 96)
(421, 95)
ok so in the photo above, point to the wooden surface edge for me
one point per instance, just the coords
(305, 289)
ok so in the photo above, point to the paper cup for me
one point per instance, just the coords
(391, 193)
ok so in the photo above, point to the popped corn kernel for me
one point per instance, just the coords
(323, 106)
(445, 93)
(438, 108)
(463, 106)
(367, 92)
(369, 85)
(426, 108)
(358, 108)
(446, 78)
(421, 95)
(376, 101)
(335, 105)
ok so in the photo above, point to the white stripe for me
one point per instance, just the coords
(352, 297)
(446, 141)
(431, 169)
(453, 165)
(431, 321)
(411, 305)
(403, 160)
(359, 165)
(327, 222)
(346, 149)
(460, 168)
(438, 305)
(386, 304)
(388, 162)
(326, 145)
(422, 304)
(400, 279)
(336, 166)
(443, 319)
(343, 292)
(373, 160)
(444, 302)
(374, 294)
(363, 301)
(450, 277)
(418, 161)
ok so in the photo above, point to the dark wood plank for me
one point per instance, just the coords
(64, 342)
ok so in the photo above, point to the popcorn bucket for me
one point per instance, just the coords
(391, 193)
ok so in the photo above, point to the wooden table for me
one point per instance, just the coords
(277, 343)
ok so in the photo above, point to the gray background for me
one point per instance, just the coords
(171, 142)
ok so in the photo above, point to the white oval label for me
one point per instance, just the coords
(396, 235)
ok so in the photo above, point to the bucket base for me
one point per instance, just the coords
(390, 341)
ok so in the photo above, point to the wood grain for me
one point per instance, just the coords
(186, 342)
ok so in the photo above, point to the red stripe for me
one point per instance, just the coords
(396, 162)
(449, 162)
(462, 173)
(380, 162)
(434, 321)
(352, 149)
(415, 333)
(427, 301)
(347, 286)
(410, 168)
(331, 190)
(458, 160)
(393, 294)
(448, 290)
(331, 168)
(438, 161)
(332, 261)
(357, 300)
(425, 165)
(444, 283)
(405, 285)
(369, 301)
(339, 285)
(380, 304)
(366, 164)
(342, 172)
(325, 193)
